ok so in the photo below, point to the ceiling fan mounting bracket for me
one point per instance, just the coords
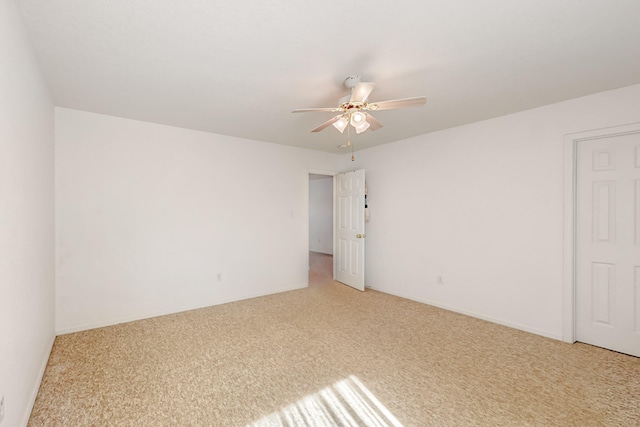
(351, 81)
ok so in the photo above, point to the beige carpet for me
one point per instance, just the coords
(330, 355)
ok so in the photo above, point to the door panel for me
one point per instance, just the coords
(608, 243)
(602, 292)
(350, 228)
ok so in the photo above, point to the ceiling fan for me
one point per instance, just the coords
(353, 109)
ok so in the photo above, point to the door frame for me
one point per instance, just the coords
(570, 148)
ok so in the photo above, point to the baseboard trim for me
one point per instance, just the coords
(320, 252)
(474, 314)
(86, 327)
(36, 386)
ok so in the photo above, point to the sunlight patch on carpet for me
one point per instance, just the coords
(345, 403)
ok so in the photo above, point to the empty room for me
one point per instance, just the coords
(337, 213)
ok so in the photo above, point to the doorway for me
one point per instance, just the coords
(320, 226)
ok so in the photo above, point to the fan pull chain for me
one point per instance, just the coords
(349, 142)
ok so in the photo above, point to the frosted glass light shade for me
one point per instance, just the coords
(357, 118)
(361, 127)
(341, 124)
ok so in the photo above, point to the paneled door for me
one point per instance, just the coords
(608, 243)
(350, 235)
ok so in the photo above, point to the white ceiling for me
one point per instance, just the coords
(239, 67)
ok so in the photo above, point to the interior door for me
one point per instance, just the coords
(608, 243)
(349, 262)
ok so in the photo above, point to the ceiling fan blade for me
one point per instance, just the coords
(307, 110)
(375, 124)
(361, 92)
(327, 123)
(398, 103)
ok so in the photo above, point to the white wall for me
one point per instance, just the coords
(321, 214)
(482, 206)
(26, 220)
(147, 216)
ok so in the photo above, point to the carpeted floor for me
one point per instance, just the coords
(330, 355)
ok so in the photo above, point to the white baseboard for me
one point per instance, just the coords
(321, 252)
(474, 314)
(173, 310)
(36, 386)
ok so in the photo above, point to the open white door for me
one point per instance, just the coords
(349, 253)
(608, 243)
